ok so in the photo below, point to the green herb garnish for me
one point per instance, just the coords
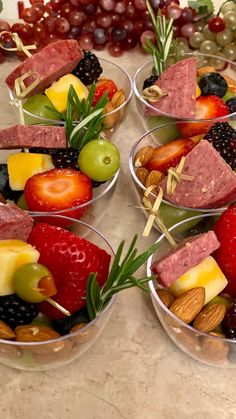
(82, 121)
(163, 29)
(202, 6)
(120, 277)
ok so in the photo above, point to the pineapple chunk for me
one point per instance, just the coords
(206, 274)
(13, 254)
(22, 166)
(57, 93)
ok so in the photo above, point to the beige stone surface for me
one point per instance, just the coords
(133, 371)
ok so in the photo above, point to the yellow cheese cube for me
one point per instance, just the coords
(13, 254)
(206, 274)
(57, 93)
(22, 166)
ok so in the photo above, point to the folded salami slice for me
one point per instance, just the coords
(188, 254)
(50, 63)
(214, 183)
(27, 136)
(14, 223)
(179, 83)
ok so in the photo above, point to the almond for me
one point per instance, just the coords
(143, 156)
(38, 333)
(5, 331)
(154, 178)
(166, 297)
(214, 350)
(55, 353)
(231, 83)
(118, 98)
(110, 120)
(188, 305)
(201, 71)
(210, 317)
(142, 174)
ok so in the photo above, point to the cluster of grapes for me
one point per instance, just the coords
(216, 37)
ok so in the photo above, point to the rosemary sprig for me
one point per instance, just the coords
(120, 277)
(89, 119)
(163, 30)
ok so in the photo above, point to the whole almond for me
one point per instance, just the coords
(154, 178)
(35, 333)
(143, 156)
(166, 297)
(118, 98)
(142, 174)
(110, 120)
(210, 317)
(188, 305)
(5, 331)
(214, 350)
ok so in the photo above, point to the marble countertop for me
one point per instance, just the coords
(133, 371)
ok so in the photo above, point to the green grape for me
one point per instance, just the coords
(218, 63)
(36, 105)
(228, 96)
(99, 159)
(230, 6)
(225, 37)
(230, 20)
(173, 215)
(21, 203)
(208, 34)
(208, 47)
(182, 50)
(200, 25)
(196, 39)
(33, 283)
(230, 51)
(182, 41)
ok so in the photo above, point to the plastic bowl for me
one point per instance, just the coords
(58, 352)
(222, 65)
(170, 213)
(113, 118)
(211, 350)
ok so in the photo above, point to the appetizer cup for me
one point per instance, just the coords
(114, 117)
(53, 353)
(208, 349)
(169, 212)
(153, 117)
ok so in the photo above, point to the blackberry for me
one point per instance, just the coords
(38, 150)
(223, 138)
(88, 69)
(66, 158)
(150, 81)
(16, 312)
(229, 322)
(3, 176)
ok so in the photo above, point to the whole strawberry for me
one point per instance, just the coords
(225, 230)
(70, 259)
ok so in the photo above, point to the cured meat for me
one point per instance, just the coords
(49, 64)
(19, 136)
(179, 82)
(187, 255)
(214, 183)
(14, 223)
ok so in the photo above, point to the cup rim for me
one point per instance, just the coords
(137, 181)
(111, 184)
(158, 300)
(161, 113)
(58, 122)
(88, 325)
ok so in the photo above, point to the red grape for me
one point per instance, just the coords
(40, 9)
(131, 12)
(74, 32)
(140, 4)
(130, 42)
(107, 5)
(2, 56)
(104, 20)
(36, 1)
(89, 9)
(186, 16)
(7, 41)
(76, 18)
(66, 9)
(87, 1)
(30, 15)
(174, 11)
(120, 6)
(40, 30)
(128, 25)
(187, 30)
(62, 25)
(49, 23)
(25, 31)
(139, 27)
(115, 50)
(147, 35)
(216, 24)
(56, 4)
(86, 42)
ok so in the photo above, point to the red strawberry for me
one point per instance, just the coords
(169, 155)
(58, 189)
(70, 259)
(207, 107)
(102, 86)
(225, 230)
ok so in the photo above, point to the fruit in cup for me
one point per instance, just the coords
(38, 105)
